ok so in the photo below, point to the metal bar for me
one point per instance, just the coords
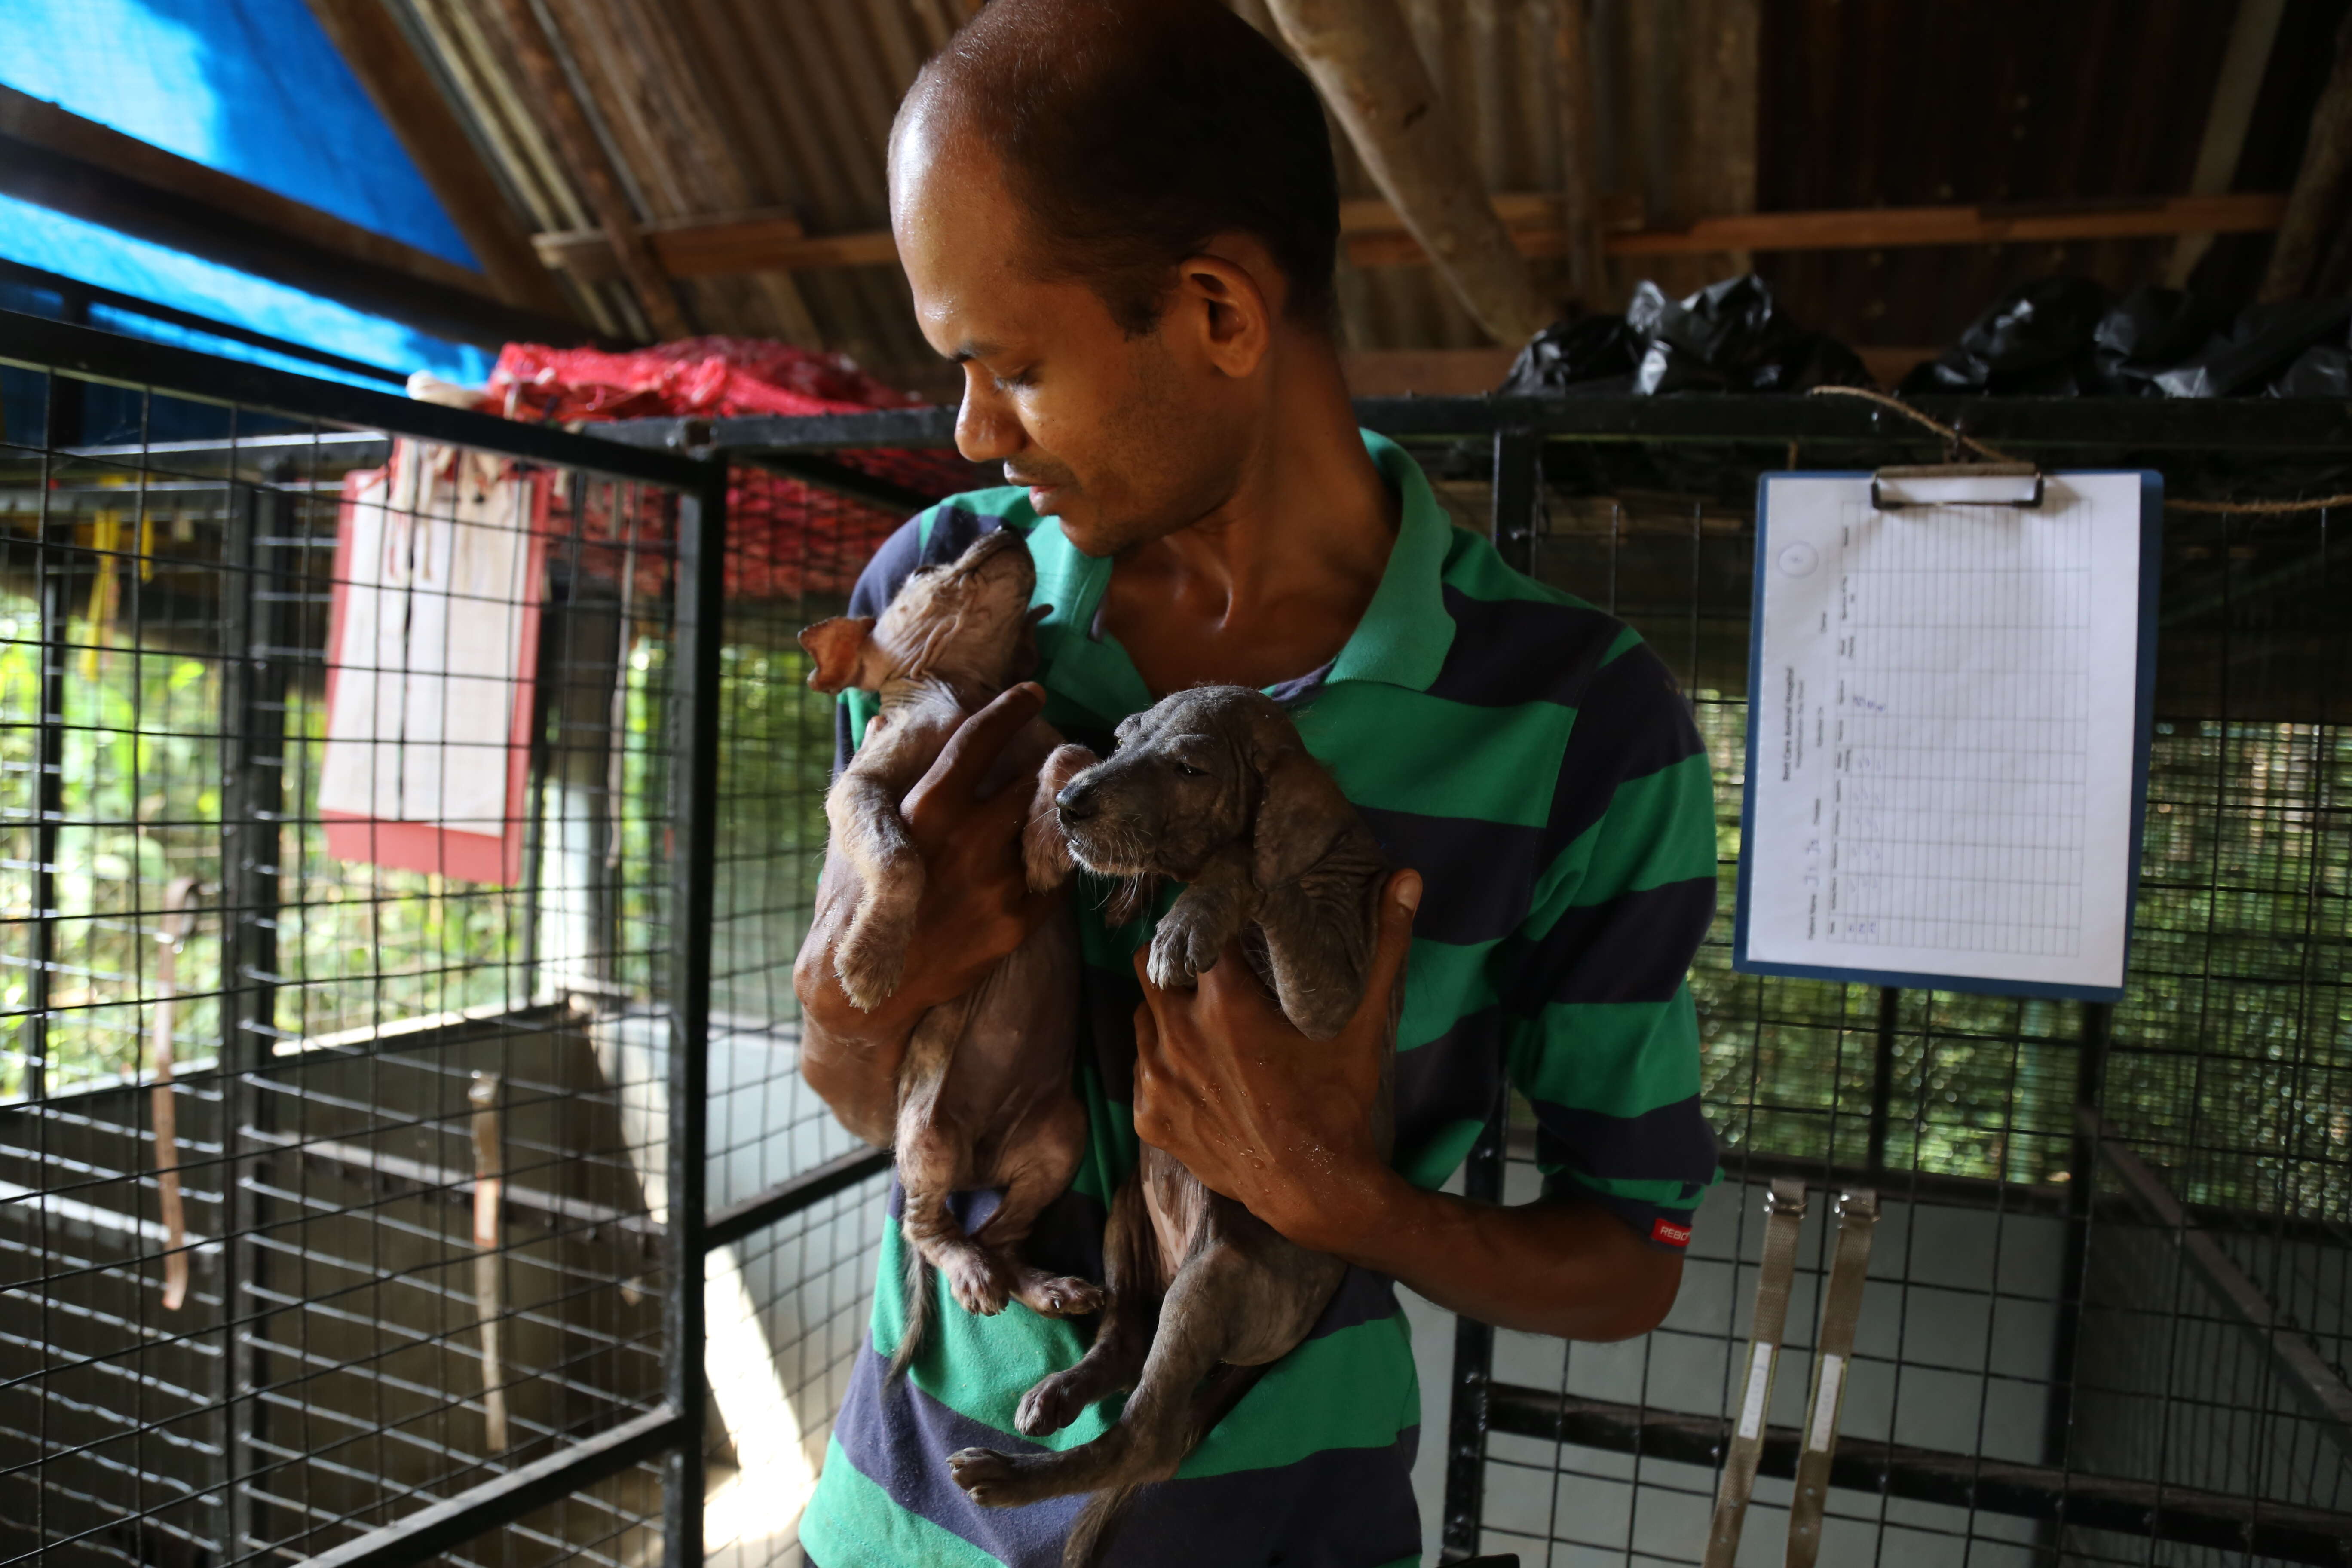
(1511, 515)
(429, 1532)
(785, 1199)
(1474, 1365)
(1882, 1073)
(253, 699)
(64, 405)
(2298, 1362)
(115, 299)
(2146, 1509)
(695, 699)
(699, 435)
(2082, 1202)
(38, 344)
(2198, 425)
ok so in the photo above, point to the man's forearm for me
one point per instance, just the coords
(1559, 1266)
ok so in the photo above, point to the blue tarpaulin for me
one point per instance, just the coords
(252, 88)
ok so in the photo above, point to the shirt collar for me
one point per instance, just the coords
(1405, 631)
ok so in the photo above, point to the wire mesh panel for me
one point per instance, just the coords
(337, 772)
(2106, 1310)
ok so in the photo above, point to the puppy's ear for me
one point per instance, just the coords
(1299, 815)
(836, 649)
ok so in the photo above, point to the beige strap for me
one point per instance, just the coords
(1841, 1312)
(1784, 1211)
(163, 1107)
(489, 1179)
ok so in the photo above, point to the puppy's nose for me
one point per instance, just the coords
(1077, 802)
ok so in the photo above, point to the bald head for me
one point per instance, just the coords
(1130, 133)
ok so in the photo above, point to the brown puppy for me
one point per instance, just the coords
(1211, 787)
(984, 1092)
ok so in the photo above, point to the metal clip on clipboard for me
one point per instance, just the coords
(2017, 485)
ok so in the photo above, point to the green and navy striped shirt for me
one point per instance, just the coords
(1535, 762)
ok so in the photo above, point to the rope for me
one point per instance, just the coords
(1993, 454)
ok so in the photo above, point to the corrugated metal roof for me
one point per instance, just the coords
(710, 109)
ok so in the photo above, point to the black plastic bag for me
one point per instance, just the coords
(2324, 371)
(2260, 347)
(1731, 336)
(1589, 355)
(2036, 342)
(2150, 331)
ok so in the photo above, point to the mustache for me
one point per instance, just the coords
(1047, 476)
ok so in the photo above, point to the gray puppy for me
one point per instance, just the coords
(984, 1092)
(1211, 787)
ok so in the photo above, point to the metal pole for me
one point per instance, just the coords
(253, 801)
(1882, 1073)
(1518, 474)
(695, 699)
(1474, 1365)
(2082, 1189)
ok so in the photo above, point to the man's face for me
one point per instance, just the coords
(1125, 440)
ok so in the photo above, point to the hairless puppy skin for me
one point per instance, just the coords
(984, 1091)
(1212, 788)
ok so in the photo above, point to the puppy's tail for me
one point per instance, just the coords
(915, 1283)
(1091, 1533)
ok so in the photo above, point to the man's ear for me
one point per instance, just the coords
(1299, 813)
(1229, 306)
(835, 648)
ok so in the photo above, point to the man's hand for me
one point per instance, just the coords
(977, 907)
(1280, 1123)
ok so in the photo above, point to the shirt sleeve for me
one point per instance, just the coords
(929, 538)
(1601, 1033)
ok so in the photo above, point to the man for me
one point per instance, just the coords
(1120, 220)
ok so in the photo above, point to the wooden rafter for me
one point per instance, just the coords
(61, 161)
(587, 163)
(1375, 236)
(378, 51)
(1362, 57)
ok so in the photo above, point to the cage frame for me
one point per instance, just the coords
(695, 458)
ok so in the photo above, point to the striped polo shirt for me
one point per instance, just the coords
(1535, 763)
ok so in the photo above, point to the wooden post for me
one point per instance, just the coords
(1580, 197)
(1362, 55)
(2315, 208)
(585, 161)
(2243, 63)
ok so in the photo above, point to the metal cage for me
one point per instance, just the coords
(2107, 1318)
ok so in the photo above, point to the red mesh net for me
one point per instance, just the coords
(784, 538)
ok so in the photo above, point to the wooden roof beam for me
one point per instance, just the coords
(60, 161)
(410, 98)
(585, 160)
(1362, 58)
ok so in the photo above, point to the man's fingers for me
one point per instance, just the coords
(1399, 902)
(965, 759)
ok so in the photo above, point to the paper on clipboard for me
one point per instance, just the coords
(1945, 735)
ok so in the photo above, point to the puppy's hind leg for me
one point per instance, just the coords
(1050, 1144)
(1155, 1431)
(1131, 1275)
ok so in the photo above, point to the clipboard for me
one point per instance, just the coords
(1951, 693)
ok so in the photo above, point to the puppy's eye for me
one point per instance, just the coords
(1187, 771)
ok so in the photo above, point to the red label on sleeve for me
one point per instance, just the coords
(1672, 1234)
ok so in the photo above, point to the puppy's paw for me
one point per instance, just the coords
(870, 971)
(1053, 1404)
(1058, 1295)
(986, 1476)
(979, 1289)
(1185, 948)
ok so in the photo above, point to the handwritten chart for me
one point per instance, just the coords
(1944, 733)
